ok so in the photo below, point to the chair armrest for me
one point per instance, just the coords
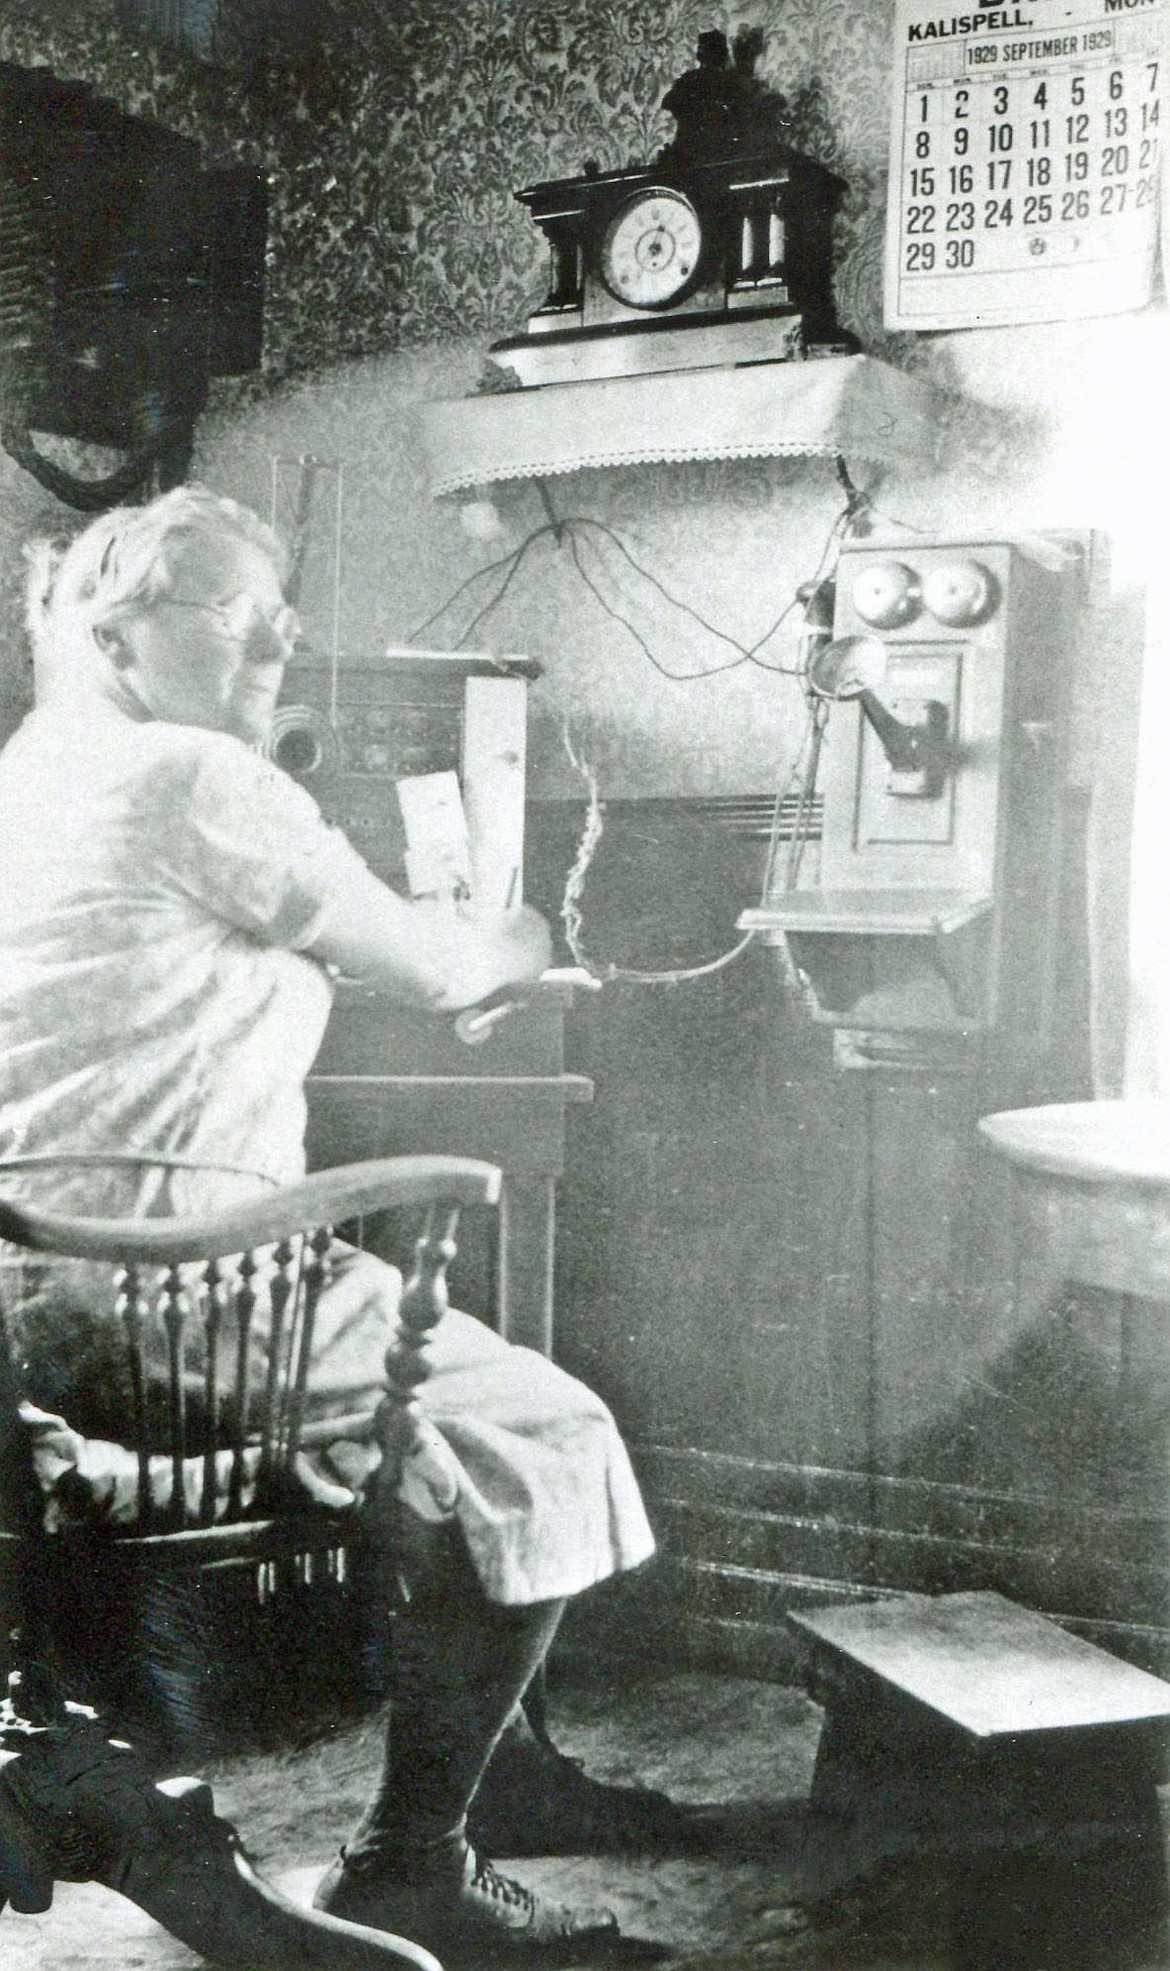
(331, 1196)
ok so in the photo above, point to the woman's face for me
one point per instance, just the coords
(211, 651)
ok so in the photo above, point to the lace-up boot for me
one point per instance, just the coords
(454, 1903)
(461, 1664)
(536, 1800)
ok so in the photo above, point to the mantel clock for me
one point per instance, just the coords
(720, 251)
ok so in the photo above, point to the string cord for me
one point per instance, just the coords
(572, 916)
(572, 531)
(572, 912)
(804, 774)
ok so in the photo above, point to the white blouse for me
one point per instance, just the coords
(158, 887)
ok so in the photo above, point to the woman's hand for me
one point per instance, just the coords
(427, 952)
(522, 928)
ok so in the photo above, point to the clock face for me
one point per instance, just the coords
(651, 248)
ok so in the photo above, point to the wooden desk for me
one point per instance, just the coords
(390, 1080)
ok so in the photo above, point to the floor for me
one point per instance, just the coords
(730, 1906)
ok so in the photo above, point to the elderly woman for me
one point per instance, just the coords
(172, 909)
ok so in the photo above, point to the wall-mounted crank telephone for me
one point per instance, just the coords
(937, 671)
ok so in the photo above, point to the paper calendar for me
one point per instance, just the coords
(1025, 163)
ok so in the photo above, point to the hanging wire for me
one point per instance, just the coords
(677, 677)
(821, 574)
(572, 915)
(569, 530)
(501, 592)
(583, 520)
(907, 526)
(477, 575)
(572, 531)
(818, 713)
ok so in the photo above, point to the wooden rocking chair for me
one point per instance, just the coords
(215, 1485)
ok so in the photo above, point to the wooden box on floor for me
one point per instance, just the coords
(963, 1724)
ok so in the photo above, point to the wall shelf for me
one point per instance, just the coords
(854, 406)
(869, 913)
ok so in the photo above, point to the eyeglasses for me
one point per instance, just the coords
(242, 620)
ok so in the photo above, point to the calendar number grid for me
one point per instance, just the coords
(1027, 188)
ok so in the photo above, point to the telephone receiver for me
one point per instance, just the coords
(918, 750)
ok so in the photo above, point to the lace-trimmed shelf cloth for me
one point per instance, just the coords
(852, 405)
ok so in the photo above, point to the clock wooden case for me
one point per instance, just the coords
(679, 264)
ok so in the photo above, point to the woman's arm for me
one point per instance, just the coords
(426, 952)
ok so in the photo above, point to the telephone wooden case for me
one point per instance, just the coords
(935, 909)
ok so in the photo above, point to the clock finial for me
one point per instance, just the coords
(721, 107)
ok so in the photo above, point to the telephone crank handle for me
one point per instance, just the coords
(477, 1023)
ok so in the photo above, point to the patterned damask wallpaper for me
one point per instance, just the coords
(397, 130)
(394, 132)
(500, 96)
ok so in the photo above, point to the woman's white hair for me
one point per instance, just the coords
(79, 590)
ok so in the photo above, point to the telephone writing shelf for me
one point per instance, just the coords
(890, 913)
